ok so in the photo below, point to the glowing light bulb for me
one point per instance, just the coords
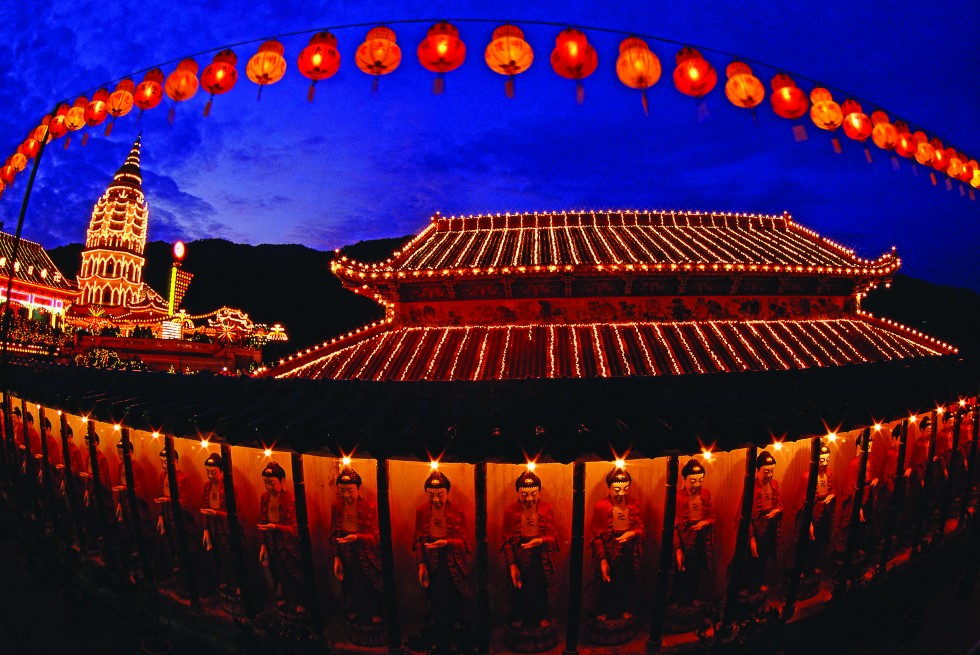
(962, 403)
(267, 452)
(345, 460)
(531, 466)
(706, 453)
(912, 419)
(155, 435)
(831, 437)
(620, 463)
(877, 427)
(434, 465)
(116, 428)
(204, 443)
(84, 419)
(777, 445)
(59, 412)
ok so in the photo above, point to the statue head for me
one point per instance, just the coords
(693, 474)
(765, 465)
(29, 418)
(528, 487)
(824, 458)
(864, 442)
(272, 477)
(46, 424)
(163, 459)
(437, 487)
(212, 467)
(17, 412)
(618, 482)
(349, 485)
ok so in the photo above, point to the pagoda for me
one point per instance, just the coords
(606, 294)
(111, 276)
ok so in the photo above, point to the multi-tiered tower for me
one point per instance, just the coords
(112, 262)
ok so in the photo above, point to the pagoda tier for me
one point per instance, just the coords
(612, 294)
(481, 269)
(609, 350)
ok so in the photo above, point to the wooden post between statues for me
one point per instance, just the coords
(388, 559)
(305, 545)
(575, 560)
(665, 561)
(847, 567)
(68, 479)
(183, 549)
(793, 589)
(134, 518)
(98, 498)
(971, 466)
(482, 560)
(235, 533)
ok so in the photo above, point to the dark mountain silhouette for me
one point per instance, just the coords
(293, 285)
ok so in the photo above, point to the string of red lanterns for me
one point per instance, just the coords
(509, 54)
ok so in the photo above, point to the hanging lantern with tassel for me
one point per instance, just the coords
(120, 102)
(18, 161)
(743, 89)
(787, 100)
(694, 76)
(96, 111)
(8, 173)
(149, 92)
(75, 118)
(57, 127)
(638, 68)
(857, 125)
(219, 76)
(940, 157)
(906, 144)
(441, 51)
(883, 134)
(40, 133)
(267, 66)
(509, 54)
(826, 113)
(181, 85)
(29, 147)
(924, 152)
(378, 55)
(319, 60)
(574, 58)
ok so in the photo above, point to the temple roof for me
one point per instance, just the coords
(624, 240)
(637, 349)
(35, 266)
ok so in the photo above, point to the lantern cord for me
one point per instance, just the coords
(556, 24)
(579, 92)
(509, 87)
(309, 94)
(67, 142)
(85, 139)
(172, 113)
(646, 104)
(374, 84)
(207, 107)
(439, 85)
(108, 128)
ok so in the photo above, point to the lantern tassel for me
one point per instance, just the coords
(895, 163)
(374, 84)
(932, 177)
(702, 110)
(139, 117)
(439, 85)
(258, 98)
(172, 113)
(207, 107)
(108, 128)
(755, 119)
(509, 87)
(85, 139)
(867, 155)
(646, 104)
(309, 94)
(67, 142)
(579, 92)
(835, 142)
(799, 133)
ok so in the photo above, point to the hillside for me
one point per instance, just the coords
(292, 285)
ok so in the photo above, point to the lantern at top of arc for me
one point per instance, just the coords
(787, 99)
(121, 100)
(97, 109)
(638, 67)
(694, 76)
(181, 83)
(508, 54)
(441, 51)
(857, 124)
(825, 113)
(57, 127)
(75, 117)
(149, 92)
(743, 89)
(319, 60)
(379, 54)
(574, 58)
(267, 66)
(220, 75)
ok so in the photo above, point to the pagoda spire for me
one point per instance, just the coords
(129, 174)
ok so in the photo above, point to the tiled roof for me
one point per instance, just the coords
(624, 238)
(609, 350)
(35, 266)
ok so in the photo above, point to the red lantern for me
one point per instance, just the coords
(149, 93)
(378, 55)
(857, 125)
(219, 76)
(18, 161)
(441, 51)
(120, 102)
(637, 67)
(787, 99)
(40, 132)
(181, 85)
(29, 147)
(57, 127)
(940, 158)
(3, 185)
(906, 144)
(574, 58)
(508, 54)
(956, 165)
(924, 151)
(970, 169)
(319, 60)
(97, 110)
(267, 66)
(825, 113)
(75, 118)
(743, 89)
(7, 174)
(884, 134)
(694, 76)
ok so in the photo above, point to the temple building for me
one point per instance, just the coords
(110, 280)
(612, 294)
(38, 286)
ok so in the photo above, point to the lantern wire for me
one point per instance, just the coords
(561, 25)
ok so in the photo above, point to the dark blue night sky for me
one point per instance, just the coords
(355, 166)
